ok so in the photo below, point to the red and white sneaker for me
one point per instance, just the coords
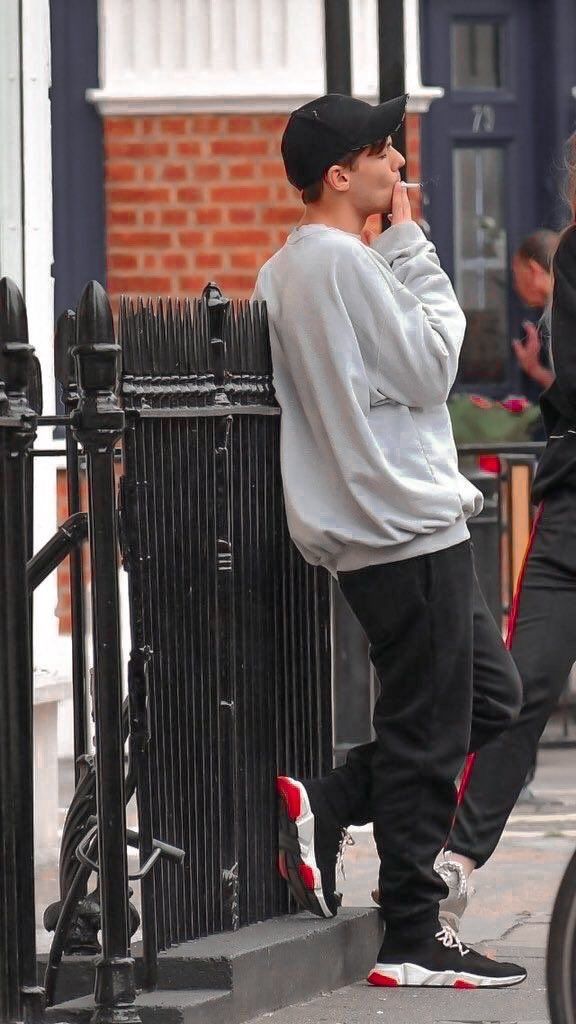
(442, 961)
(309, 845)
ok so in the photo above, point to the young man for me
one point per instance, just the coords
(365, 344)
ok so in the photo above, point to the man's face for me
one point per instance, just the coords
(532, 283)
(372, 180)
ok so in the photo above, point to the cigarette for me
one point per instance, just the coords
(412, 184)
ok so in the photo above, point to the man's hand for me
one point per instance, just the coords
(401, 209)
(528, 356)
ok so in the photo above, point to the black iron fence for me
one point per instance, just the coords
(229, 673)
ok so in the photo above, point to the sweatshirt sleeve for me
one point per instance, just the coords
(564, 316)
(409, 324)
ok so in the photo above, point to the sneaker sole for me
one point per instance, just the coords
(296, 860)
(396, 975)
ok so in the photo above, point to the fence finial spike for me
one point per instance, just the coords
(15, 353)
(94, 322)
(96, 353)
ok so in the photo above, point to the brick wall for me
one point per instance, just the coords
(195, 197)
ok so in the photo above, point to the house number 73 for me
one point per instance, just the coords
(484, 118)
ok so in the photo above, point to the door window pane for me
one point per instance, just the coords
(476, 55)
(480, 261)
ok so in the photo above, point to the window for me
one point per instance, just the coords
(480, 261)
(476, 55)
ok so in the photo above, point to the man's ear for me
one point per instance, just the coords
(338, 178)
(536, 267)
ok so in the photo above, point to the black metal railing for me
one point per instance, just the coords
(237, 623)
(229, 673)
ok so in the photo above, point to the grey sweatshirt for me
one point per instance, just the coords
(365, 345)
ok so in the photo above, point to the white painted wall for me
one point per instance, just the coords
(26, 256)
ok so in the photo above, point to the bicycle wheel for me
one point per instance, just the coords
(561, 954)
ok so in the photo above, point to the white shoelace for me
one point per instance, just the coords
(448, 867)
(346, 840)
(447, 936)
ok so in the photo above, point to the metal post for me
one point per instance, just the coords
(98, 425)
(65, 373)
(217, 307)
(391, 56)
(337, 42)
(22, 999)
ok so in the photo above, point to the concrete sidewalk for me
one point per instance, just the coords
(508, 917)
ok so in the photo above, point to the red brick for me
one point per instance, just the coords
(141, 284)
(188, 148)
(208, 215)
(151, 261)
(206, 172)
(174, 261)
(236, 282)
(205, 124)
(241, 215)
(149, 239)
(246, 237)
(273, 170)
(173, 125)
(149, 172)
(241, 170)
(120, 172)
(273, 123)
(280, 215)
(150, 125)
(150, 217)
(191, 238)
(122, 261)
(209, 260)
(240, 194)
(175, 216)
(245, 260)
(240, 124)
(137, 150)
(174, 172)
(119, 126)
(191, 283)
(138, 195)
(239, 147)
(115, 216)
(189, 195)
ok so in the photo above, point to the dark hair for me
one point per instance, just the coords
(540, 246)
(312, 193)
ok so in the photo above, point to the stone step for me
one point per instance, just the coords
(258, 969)
(185, 1007)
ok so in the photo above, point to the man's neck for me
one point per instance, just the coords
(345, 220)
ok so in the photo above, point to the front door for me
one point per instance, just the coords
(479, 152)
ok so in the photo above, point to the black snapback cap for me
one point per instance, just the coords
(323, 130)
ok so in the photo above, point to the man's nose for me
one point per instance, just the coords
(399, 160)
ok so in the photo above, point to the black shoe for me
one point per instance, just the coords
(441, 961)
(310, 842)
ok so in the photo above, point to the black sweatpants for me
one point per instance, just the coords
(422, 616)
(544, 650)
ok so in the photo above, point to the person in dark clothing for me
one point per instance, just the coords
(532, 274)
(544, 635)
